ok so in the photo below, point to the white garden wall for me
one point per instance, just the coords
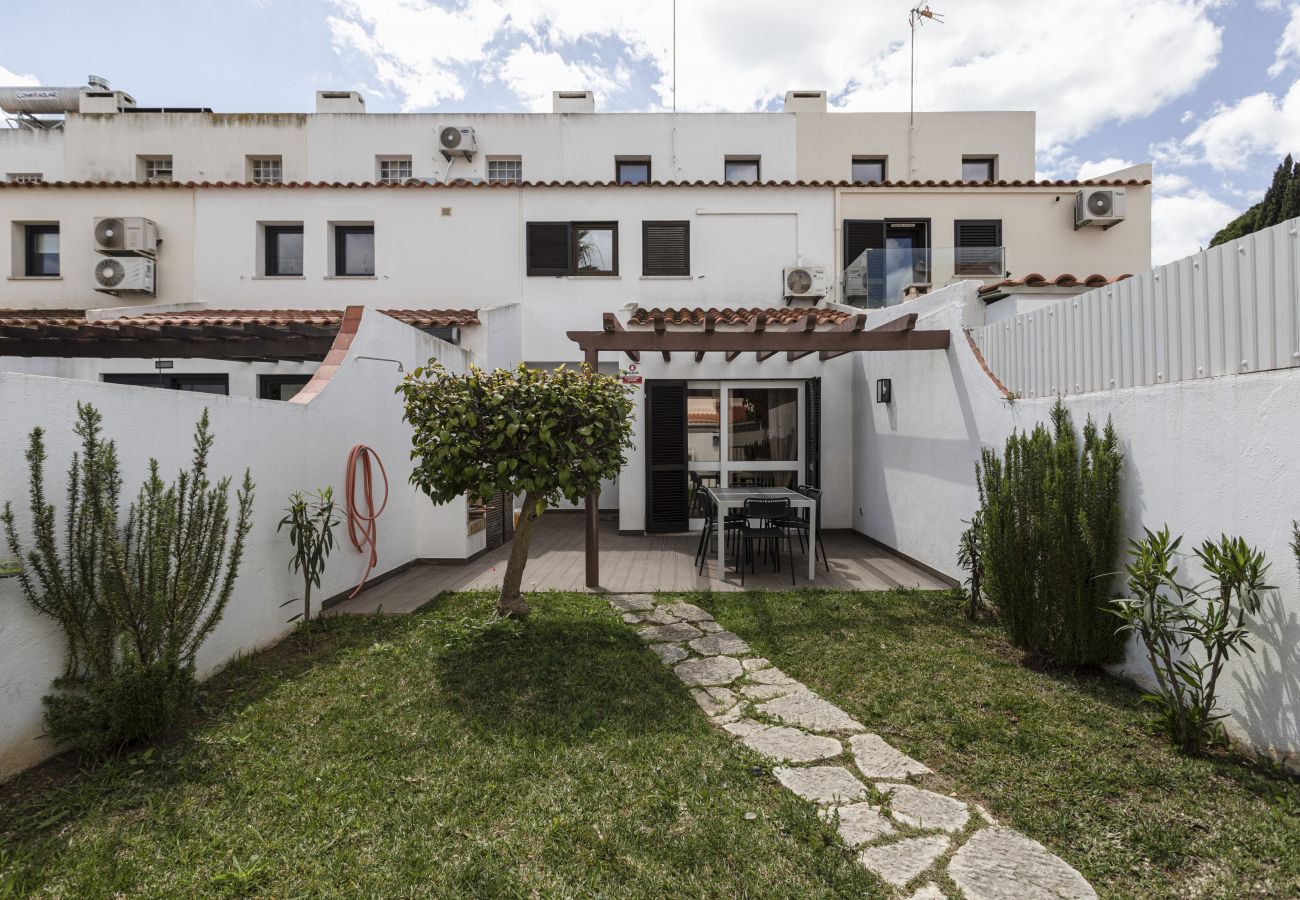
(1208, 456)
(288, 446)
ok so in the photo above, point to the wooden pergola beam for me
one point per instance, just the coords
(710, 325)
(854, 325)
(734, 343)
(660, 325)
(610, 323)
(805, 325)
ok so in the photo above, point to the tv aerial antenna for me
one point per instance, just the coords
(916, 19)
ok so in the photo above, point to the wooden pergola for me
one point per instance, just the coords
(796, 341)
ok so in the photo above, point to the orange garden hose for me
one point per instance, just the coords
(362, 526)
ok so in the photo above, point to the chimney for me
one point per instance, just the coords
(340, 102)
(805, 101)
(573, 102)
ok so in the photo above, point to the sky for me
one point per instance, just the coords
(1206, 90)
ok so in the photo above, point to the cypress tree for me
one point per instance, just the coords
(1281, 202)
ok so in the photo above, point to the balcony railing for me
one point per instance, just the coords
(880, 278)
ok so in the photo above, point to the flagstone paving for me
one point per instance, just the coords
(782, 720)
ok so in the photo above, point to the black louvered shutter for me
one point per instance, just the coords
(548, 248)
(665, 248)
(666, 472)
(978, 243)
(812, 432)
(861, 235)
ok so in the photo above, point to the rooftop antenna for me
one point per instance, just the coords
(916, 18)
(674, 56)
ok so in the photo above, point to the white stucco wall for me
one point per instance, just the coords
(1206, 457)
(288, 446)
(242, 376)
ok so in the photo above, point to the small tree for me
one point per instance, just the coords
(969, 557)
(545, 435)
(311, 522)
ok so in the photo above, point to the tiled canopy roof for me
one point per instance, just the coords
(417, 184)
(785, 315)
(1034, 280)
(232, 318)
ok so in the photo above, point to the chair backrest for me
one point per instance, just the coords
(767, 508)
(815, 495)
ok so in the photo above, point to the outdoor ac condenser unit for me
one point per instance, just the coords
(118, 274)
(804, 282)
(457, 141)
(1098, 206)
(126, 236)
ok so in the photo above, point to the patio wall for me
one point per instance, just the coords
(1208, 456)
(288, 446)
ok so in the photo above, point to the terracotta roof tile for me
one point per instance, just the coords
(782, 315)
(416, 184)
(33, 319)
(1035, 280)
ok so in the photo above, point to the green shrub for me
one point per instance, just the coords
(1050, 521)
(135, 601)
(1190, 631)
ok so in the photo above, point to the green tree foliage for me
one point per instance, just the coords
(310, 518)
(1190, 631)
(543, 435)
(1049, 519)
(135, 600)
(1281, 202)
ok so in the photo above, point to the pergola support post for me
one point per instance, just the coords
(591, 507)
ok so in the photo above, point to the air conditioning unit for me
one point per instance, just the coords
(126, 236)
(804, 282)
(118, 274)
(1098, 206)
(457, 141)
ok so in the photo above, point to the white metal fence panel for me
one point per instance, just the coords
(1227, 310)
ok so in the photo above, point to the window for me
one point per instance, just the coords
(265, 170)
(156, 168)
(394, 169)
(280, 387)
(200, 384)
(978, 244)
(978, 168)
(572, 248)
(868, 169)
(283, 250)
(508, 169)
(633, 170)
(354, 249)
(41, 251)
(739, 169)
(24, 177)
(665, 248)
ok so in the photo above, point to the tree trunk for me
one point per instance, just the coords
(511, 602)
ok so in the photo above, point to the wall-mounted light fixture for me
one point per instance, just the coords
(884, 390)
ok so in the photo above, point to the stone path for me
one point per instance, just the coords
(920, 841)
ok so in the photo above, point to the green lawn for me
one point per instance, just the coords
(1073, 762)
(431, 755)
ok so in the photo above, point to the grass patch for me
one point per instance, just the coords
(436, 754)
(1073, 761)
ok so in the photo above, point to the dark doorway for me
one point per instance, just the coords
(667, 479)
(500, 519)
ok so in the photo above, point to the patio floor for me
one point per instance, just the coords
(636, 563)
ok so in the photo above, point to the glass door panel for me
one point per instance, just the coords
(763, 424)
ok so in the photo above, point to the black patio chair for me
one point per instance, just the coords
(731, 526)
(769, 512)
(798, 523)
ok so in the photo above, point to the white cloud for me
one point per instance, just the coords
(1288, 46)
(1260, 123)
(532, 75)
(9, 78)
(1101, 167)
(1183, 223)
(1080, 63)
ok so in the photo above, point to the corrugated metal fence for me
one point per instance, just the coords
(1228, 310)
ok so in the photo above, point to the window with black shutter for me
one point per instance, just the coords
(812, 432)
(866, 281)
(978, 244)
(548, 248)
(665, 248)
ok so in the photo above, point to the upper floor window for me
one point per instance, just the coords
(40, 250)
(572, 248)
(394, 169)
(632, 170)
(979, 168)
(978, 247)
(155, 168)
(265, 170)
(508, 169)
(868, 169)
(282, 250)
(665, 248)
(354, 249)
(24, 177)
(739, 169)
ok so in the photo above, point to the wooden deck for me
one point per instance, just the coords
(635, 563)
